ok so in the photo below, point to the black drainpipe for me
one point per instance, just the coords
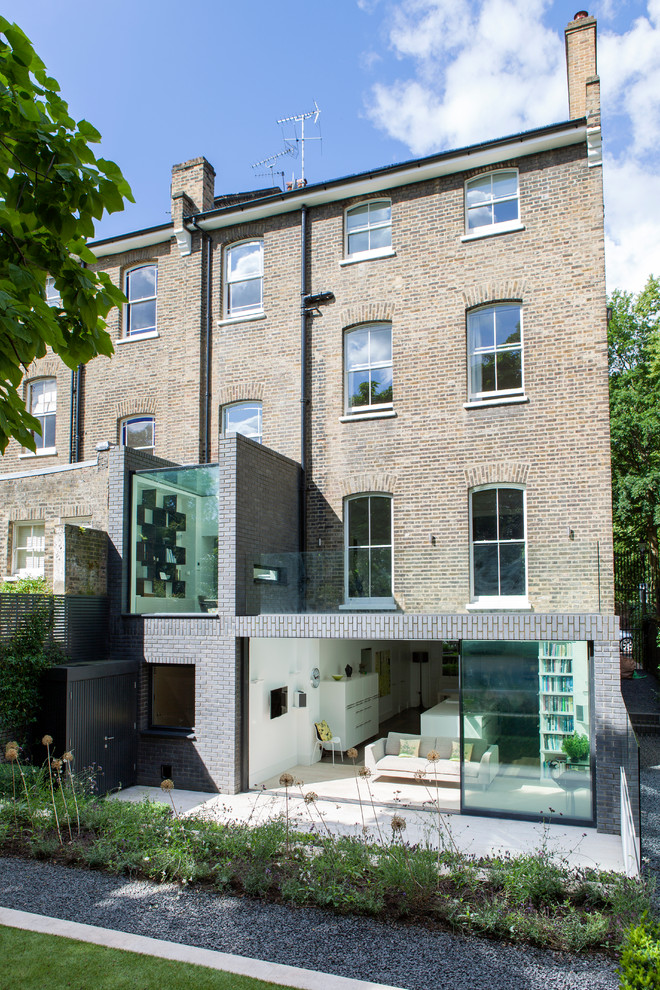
(72, 411)
(303, 376)
(207, 348)
(74, 416)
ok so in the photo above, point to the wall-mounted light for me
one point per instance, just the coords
(432, 539)
(318, 298)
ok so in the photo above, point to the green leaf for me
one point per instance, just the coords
(51, 191)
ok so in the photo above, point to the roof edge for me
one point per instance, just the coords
(551, 136)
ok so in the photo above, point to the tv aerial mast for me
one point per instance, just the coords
(270, 163)
(296, 142)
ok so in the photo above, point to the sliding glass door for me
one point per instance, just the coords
(525, 721)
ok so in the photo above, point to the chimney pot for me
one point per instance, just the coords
(580, 14)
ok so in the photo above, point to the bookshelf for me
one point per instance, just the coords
(557, 701)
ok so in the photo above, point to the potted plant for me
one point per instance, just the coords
(576, 748)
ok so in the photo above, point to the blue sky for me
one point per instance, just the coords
(165, 81)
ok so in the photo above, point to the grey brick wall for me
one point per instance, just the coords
(257, 508)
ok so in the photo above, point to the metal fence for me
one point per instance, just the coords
(80, 622)
(637, 603)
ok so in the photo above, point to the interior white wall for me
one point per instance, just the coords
(432, 681)
(279, 743)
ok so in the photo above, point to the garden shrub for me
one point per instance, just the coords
(26, 586)
(640, 957)
(23, 658)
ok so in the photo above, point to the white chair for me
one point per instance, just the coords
(334, 743)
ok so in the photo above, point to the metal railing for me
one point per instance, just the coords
(629, 841)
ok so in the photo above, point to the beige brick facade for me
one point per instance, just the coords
(428, 452)
(432, 450)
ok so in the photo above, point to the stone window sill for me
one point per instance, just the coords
(367, 256)
(492, 232)
(505, 400)
(248, 318)
(379, 414)
(150, 335)
(42, 452)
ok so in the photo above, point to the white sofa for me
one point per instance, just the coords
(382, 758)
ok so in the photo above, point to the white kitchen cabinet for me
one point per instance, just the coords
(350, 707)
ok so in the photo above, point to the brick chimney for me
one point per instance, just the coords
(583, 81)
(193, 188)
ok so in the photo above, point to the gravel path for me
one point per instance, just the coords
(404, 956)
(649, 780)
(356, 947)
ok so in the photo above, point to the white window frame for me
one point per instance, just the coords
(147, 331)
(53, 298)
(499, 601)
(368, 602)
(368, 227)
(124, 423)
(257, 310)
(370, 407)
(493, 227)
(22, 545)
(40, 441)
(257, 437)
(484, 396)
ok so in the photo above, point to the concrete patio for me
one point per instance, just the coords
(339, 810)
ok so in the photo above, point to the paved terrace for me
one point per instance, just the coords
(343, 814)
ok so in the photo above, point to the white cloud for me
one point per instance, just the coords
(629, 66)
(369, 59)
(479, 69)
(482, 69)
(632, 231)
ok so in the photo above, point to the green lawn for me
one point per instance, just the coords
(33, 961)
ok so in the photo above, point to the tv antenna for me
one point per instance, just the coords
(296, 142)
(270, 162)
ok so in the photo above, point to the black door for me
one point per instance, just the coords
(101, 729)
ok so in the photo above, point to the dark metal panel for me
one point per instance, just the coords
(102, 714)
(91, 709)
(80, 622)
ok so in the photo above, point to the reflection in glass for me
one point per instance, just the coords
(498, 543)
(138, 433)
(358, 522)
(492, 199)
(369, 547)
(495, 350)
(521, 701)
(368, 356)
(174, 540)
(43, 405)
(369, 227)
(244, 276)
(141, 291)
(244, 418)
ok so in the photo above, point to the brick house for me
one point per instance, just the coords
(390, 394)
